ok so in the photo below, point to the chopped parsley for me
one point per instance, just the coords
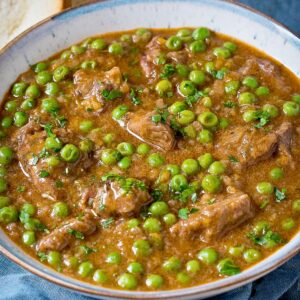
(268, 239)
(58, 184)
(168, 71)
(44, 174)
(211, 201)
(233, 159)
(263, 117)
(48, 128)
(264, 204)
(87, 250)
(157, 195)
(161, 59)
(220, 74)
(21, 188)
(34, 160)
(279, 195)
(106, 223)
(42, 256)
(163, 115)
(44, 153)
(184, 213)
(134, 98)
(111, 95)
(230, 104)
(77, 234)
(190, 100)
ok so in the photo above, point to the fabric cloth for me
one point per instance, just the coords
(283, 283)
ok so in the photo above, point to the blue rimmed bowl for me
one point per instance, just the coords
(72, 26)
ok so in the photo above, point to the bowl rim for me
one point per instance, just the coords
(190, 292)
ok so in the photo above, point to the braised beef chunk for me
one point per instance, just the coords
(285, 133)
(157, 135)
(179, 57)
(62, 236)
(214, 220)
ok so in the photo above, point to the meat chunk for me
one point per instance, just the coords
(62, 236)
(158, 135)
(285, 133)
(215, 220)
(179, 57)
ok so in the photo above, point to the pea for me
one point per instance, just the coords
(250, 115)
(182, 70)
(207, 102)
(60, 73)
(288, 224)
(152, 225)
(125, 163)
(142, 247)
(88, 64)
(126, 148)
(208, 255)
(250, 82)
(133, 223)
(85, 269)
(163, 87)
(70, 153)
(231, 87)
(155, 160)
(11, 106)
(210, 67)
(230, 46)
(43, 77)
(6, 122)
(66, 54)
(178, 183)
(53, 143)
(201, 33)
(127, 281)
(265, 188)
(2, 134)
(28, 238)
(183, 278)
(33, 224)
(261, 227)
(4, 201)
(185, 117)
(208, 119)
(296, 206)
(86, 126)
(205, 160)
(6, 155)
(197, 77)
(109, 138)
(71, 262)
(135, 268)
(236, 251)
(28, 104)
(98, 44)
(52, 89)
(33, 91)
(60, 210)
(174, 43)
(52, 161)
(276, 173)
(75, 49)
(190, 166)
(100, 276)
(262, 91)
(296, 98)
(40, 66)
(126, 38)
(193, 266)
(205, 136)
(2, 171)
(18, 89)
(28, 209)
(115, 49)
(119, 112)
(190, 131)
(291, 109)
(251, 255)
(154, 281)
(170, 219)
(216, 168)
(8, 214)
(172, 264)
(143, 149)
(211, 183)
(20, 118)
(159, 208)
(110, 156)
(246, 98)
(197, 46)
(50, 105)
(177, 107)
(185, 34)
(222, 52)
(187, 88)
(227, 267)
(114, 258)
(54, 258)
(3, 185)
(272, 110)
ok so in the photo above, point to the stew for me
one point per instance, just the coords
(152, 159)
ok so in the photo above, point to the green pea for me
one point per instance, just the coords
(28, 209)
(60, 73)
(163, 87)
(296, 206)
(70, 153)
(193, 266)
(54, 258)
(205, 160)
(251, 255)
(172, 264)
(190, 131)
(250, 115)
(6, 155)
(4, 201)
(75, 49)
(119, 112)
(8, 214)
(85, 269)
(210, 67)
(272, 110)
(98, 44)
(231, 87)
(250, 82)
(236, 251)
(178, 183)
(125, 163)
(217, 168)
(152, 225)
(211, 183)
(28, 104)
(291, 109)
(205, 136)
(296, 98)
(43, 77)
(52, 161)
(11, 106)
(143, 149)
(207, 102)
(190, 166)
(126, 148)
(154, 281)
(50, 105)
(262, 91)
(197, 46)
(86, 126)
(222, 52)
(33, 224)
(52, 89)
(142, 247)
(208, 119)
(114, 258)
(115, 49)
(177, 107)
(227, 267)
(2, 135)
(159, 208)
(100, 276)
(110, 156)
(127, 281)
(40, 66)
(88, 64)
(33, 91)
(20, 118)
(265, 188)
(3, 171)
(170, 219)
(197, 77)
(182, 70)
(155, 160)
(246, 98)
(135, 268)
(174, 43)
(185, 117)
(71, 262)
(28, 238)
(6, 122)
(133, 223)
(185, 34)
(127, 38)
(183, 278)
(18, 89)
(66, 54)
(288, 224)
(201, 33)
(230, 46)
(60, 210)
(208, 255)
(187, 88)
(53, 143)
(3, 185)
(261, 227)
(276, 173)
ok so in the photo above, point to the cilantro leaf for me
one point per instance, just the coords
(233, 159)
(190, 100)
(229, 104)
(44, 174)
(106, 223)
(134, 98)
(263, 117)
(111, 95)
(87, 250)
(157, 195)
(168, 71)
(48, 128)
(184, 213)
(77, 234)
(279, 195)
(268, 239)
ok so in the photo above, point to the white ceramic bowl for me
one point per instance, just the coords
(72, 26)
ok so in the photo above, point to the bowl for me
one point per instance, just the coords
(72, 26)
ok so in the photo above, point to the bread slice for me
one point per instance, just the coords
(17, 16)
